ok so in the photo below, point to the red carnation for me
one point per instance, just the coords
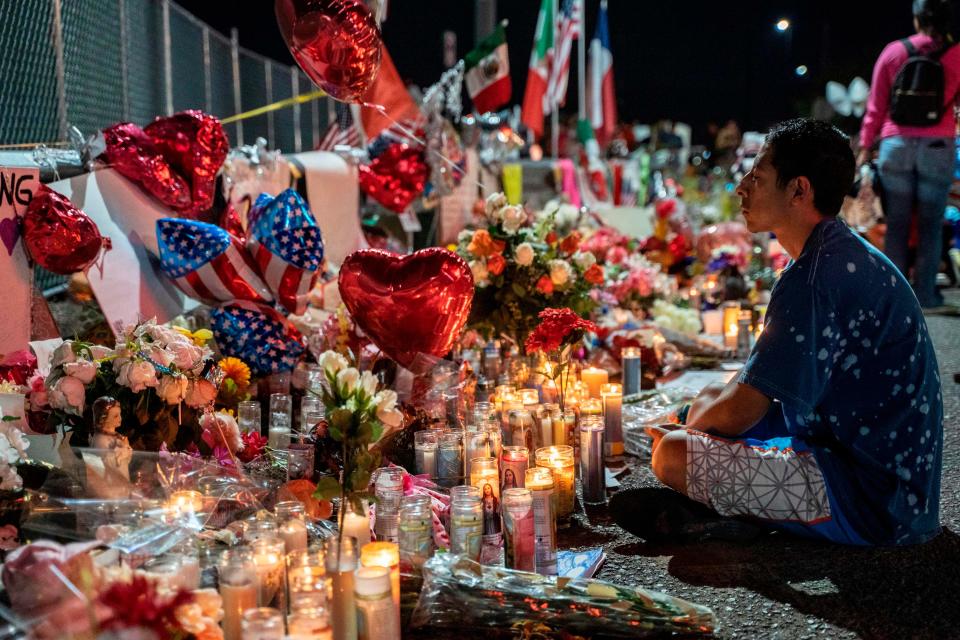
(557, 327)
(594, 275)
(253, 445)
(138, 604)
(570, 243)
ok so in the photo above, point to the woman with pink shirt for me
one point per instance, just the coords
(916, 163)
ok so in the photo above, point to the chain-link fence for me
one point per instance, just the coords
(92, 63)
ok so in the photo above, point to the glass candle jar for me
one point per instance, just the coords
(466, 526)
(425, 445)
(539, 481)
(612, 396)
(389, 491)
(306, 578)
(513, 466)
(292, 519)
(416, 532)
(592, 470)
(238, 590)
(450, 459)
(341, 559)
(263, 623)
(377, 617)
(560, 461)
(518, 529)
(269, 560)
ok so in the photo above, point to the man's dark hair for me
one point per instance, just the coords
(818, 151)
(934, 15)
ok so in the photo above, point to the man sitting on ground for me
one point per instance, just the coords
(834, 427)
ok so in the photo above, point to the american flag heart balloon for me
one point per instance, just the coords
(287, 245)
(207, 263)
(257, 334)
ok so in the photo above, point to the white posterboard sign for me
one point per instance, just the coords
(130, 287)
(17, 186)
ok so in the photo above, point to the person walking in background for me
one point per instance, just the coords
(910, 113)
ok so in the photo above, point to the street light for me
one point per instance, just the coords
(782, 25)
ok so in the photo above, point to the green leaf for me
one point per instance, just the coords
(336, 434)
(365, 432)
(11, 418)
(341, 419)
(327, 488)
(377, 432)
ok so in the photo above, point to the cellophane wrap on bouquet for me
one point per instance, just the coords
(286, 243)
(207, 263)
(258, 335)
(459, 593)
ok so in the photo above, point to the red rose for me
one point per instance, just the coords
(594, 275)
(544, 285)
(496, 264)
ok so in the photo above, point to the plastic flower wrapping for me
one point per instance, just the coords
(459, 593)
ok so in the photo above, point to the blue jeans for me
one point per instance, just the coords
(916, 173)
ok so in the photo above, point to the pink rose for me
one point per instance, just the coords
(137, 375)
(163, 334)
(161, 356)
(63, 354)
(99, 352)
(172, 389)
(68, 394)
(37, 392)
(200, 393)
(83, 370)
(616, 255)
(221, 430)
(185, 355)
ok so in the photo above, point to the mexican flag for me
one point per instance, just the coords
(536, 102)
(488, 72)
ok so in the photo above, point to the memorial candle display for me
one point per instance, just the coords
(513, 466)
(592, 471)
(560, 461)
(476, 444)
(269, 561)
(630, 362)
(386, 555)
(521, 429)
(466, 524)
(389, 491)
(450, 459)
(377, 617)
(425, 444)
(519, 529)
(594, 379)
(238, 589)
(539, 481)
(731, 312)
(612, 396)
(341, 562)
(306, 581)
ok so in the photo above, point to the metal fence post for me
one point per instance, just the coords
(295, 92)
(124, 53)
(167, 59)
(57, 27)
(268, 77)
(235, 56)
(207, 86)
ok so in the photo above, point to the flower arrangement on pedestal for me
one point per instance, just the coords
(559, 329)
(157, 373)
(522, 266)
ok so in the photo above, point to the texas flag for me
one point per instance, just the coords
(488, 72)
(601, 99)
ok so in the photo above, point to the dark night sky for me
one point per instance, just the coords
(694, 60)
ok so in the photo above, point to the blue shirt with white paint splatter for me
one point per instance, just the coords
(846, 351)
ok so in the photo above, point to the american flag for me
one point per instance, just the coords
(343, 130)
(207, 264)
(286, 243)
(257, 334)
(398, 132)
(568, 29)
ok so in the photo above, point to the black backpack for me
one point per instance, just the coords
(917, 99)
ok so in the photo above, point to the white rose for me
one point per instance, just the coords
(16, 439)
(137, 376)
(83, 370)
(464, 237)
(68, 394)
(495, 202)
(387, 412)
(348, 379)
(332, 362)
(513, 219)
(164, 334)
(186, 355)
(560, 272)
(479, 269)
(584, 259)
(368, 382)
(10, 480)
(63, 354)
(523, 254)
(172, 389)
(549, 209)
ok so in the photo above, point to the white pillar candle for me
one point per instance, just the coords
(357, 525)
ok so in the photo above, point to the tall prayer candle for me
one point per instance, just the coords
(539, 481)
(592, 471)
(450, 459)
(483, 472)
(425, 445)
(341, 562)
(612, 395)
(560, 461)
(515, 460)
(238, 588)
(630, 361)
(594, 379)
(269, 560)
(387, 555)
(519, 529)
(731, 311)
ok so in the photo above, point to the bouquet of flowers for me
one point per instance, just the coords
(521, 267)
(558, 330)
(635, 282)
(13, 445)
(153, 370)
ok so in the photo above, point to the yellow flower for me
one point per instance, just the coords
(236, 370)
(199, 337)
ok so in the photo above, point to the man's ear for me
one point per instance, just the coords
(801, 190)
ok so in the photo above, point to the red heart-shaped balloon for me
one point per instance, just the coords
(395, 177)
(175, 159)
(58, 236)
(407, 305)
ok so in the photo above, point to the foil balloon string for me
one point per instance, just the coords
(382, 110)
